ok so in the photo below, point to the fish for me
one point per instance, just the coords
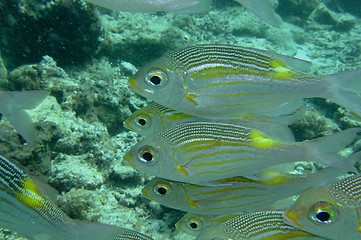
(13, 106)
(155, 118)
(194, 224)
(26, 209)
(331, 211)
(262, 8)
(235, 195)
(258, 225)
(152, 6)
(227, 81)
(202, 152)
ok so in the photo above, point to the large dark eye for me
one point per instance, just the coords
(194, 224)
(323, 212)
(156, 77)
(142, 120)
(162, 189)
(148, 155)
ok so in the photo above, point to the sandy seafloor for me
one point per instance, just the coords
(81, 138)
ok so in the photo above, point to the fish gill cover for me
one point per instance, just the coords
(83, 55)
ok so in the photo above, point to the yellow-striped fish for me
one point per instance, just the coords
(234, 195)
(202, 152)
(260, 225)
(332, 211)
(25, 209)
(193, 224)
(155, 118)
(225, 81)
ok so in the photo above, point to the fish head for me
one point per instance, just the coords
(163, 191)
(148, 156)
(317, 212)
(141, 121)
(193, 223)
(160, 81)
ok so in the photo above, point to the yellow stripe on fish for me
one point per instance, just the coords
(155, 118)
(225, 81)
(202, 152)
(331, 211)
(27, 211)
(260, 225)
(234, 195)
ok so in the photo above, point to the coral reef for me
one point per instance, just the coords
(84, 55)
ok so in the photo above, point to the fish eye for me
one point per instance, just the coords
(323, 213)
(156, 77)
(194, 224)
(162, 189)
(148, 155)
(142, 120)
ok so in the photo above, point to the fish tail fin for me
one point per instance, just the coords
(23, 124)
(13, 105)
(263, 9)
(325, 149)
(336, 169)
(95, 231)
(347, 90)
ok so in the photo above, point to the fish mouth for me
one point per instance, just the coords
(291, 217)
(146, 194)
(132, 84)
(127, 159)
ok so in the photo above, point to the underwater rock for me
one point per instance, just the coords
(74, 172)
(3, 74)
(350, 6)
(66, 30)
(296, 11)
(342, 22)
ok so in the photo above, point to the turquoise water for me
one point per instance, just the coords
(84, 56)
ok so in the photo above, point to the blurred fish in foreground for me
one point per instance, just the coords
(260, 225)
(238, 194)
(13, 105)
(152, 6)
(26, 210)
(262, 8)
(202, 152)
(332, 211)
(225, 81)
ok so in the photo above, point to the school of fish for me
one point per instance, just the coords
(217, 141)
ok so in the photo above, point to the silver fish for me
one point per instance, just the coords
(150, 6)
(260, 225)
(202, 152)
(26, 210)
(262, 8)
(155, 118)
(235, 195)
(225, 81)
(13, 105)
(331, 211)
